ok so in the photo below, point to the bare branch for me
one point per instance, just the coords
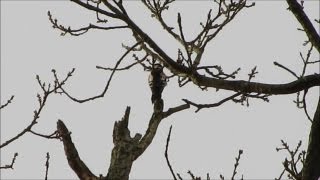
(305, 22)
(193, 177)
(154, 122)
(166, 155)
(184, 42)
(10, 166)
(305, 105)
(295, 86)
(157, 11)
(124, 68)
(47, 165)
(290, 166)
(236, 164)
(8, 102)
(220, 74)
(80, 31)
(46, 92)
(54, 135)
(230, 11)
(287, 69)
(107, 85)
(200, 106)
(75, 162)
(96, 9)
(176, 109)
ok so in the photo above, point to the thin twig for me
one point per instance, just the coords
(54, 135)
(108, 83)
(287, 69)
(10, 166)
(47, 165)
(200, 106)
(236, 164)
(305, 105)
(80, 31)
(8, 102)
(47, 91)
(166, 155)
(124, 68)
(290, 166)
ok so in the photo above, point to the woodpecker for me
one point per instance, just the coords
(157, 81)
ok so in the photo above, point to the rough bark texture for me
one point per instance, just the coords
(127, 149)
(122, 155)
(74, 161)
(311, 169)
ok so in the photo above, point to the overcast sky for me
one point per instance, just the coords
(203, 142)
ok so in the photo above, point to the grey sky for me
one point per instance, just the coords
(202, 142)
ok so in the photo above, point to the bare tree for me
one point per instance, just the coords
(186, 66)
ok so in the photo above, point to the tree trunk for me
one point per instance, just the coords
(124, 150)
(311, 169)
(121, 163)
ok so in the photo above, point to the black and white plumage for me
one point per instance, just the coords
(157, 81)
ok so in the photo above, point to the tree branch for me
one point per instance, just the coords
(285, 68)
(153, 126)
(74, 161)
(200, 80)
(93, 8)
(8, 102)
(200, 106)
(108, 83)
(80, 31)
(12, 162)
(42, 101)
(236, 164)
(247, 87)
(123, 152)
(139, 61)
(305, 22)
(311, 166)
(47, 165)
(166, 155)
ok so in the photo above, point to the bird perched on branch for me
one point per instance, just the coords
(157, 81)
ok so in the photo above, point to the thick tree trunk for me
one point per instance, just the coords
(121, 163)
(311, 169)
(124, 150)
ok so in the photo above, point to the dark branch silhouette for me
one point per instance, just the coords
(188, 69)
(10, 166)
(8, 102)
(47, 165)
(167, 156)
(107, 85)
(74, 161)
(305, 22)
(47, 91)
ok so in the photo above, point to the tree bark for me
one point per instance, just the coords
(305, 22)
(311, 168)
(181, 70)
(74, 160)
(122, 155)
(126, 149)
